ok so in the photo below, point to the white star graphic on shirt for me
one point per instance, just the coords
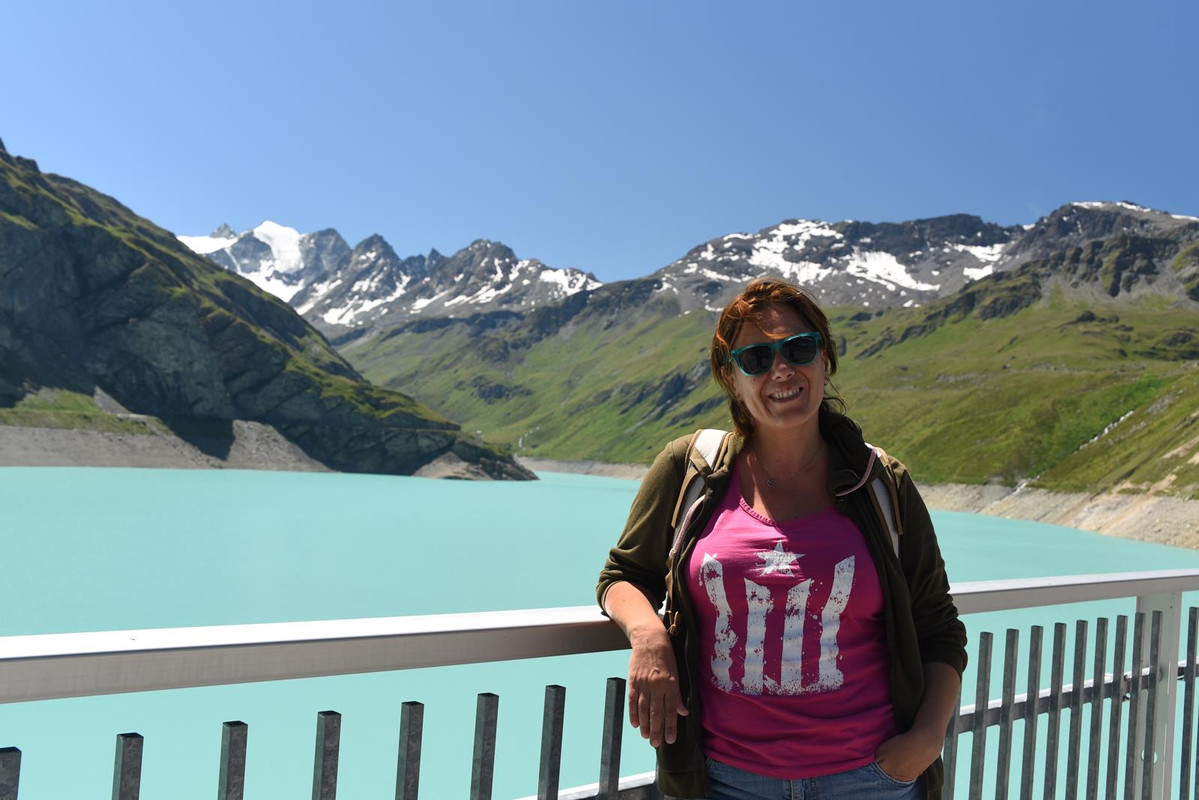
(778, 560)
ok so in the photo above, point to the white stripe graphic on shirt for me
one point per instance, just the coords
(759, 602)
(797, 607)
(711, 575)
(830, 622)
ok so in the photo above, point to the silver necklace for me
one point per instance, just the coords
(771, 482)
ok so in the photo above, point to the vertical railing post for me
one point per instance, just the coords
(550, 768)
(1054, 723)
(1188, 707)
(328, 747)
(412, 724)
(1007, 714)
(609, 780)
(487, 712)
(1074, 737)
(232, 777)
(1095, 739)
(127, 771)
(1164, 697)
(982, 699)
(10, 772)
(1031, 714)
(1119, 688)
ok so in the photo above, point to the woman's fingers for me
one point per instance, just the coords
(670, 720)
(655, 709)
(654, 700)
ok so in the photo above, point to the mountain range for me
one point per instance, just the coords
(340, 290)
(346, 292)
(99, 306)
(1032, 348)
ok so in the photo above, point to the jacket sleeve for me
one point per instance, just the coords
(639, 557)
(940, 632)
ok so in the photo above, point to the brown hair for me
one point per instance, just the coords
(749, 306)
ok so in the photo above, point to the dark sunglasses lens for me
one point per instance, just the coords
(801, 351)
(756, 359)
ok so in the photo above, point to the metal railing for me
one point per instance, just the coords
(53, 666)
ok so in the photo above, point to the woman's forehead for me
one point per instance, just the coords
(773, 322)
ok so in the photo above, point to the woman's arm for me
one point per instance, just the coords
(941, 636)
(906, 755)
(655, 702)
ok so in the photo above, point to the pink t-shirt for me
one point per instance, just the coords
(793, 659)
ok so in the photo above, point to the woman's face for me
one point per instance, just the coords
(785, 397)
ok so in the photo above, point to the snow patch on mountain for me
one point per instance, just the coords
(568, 281)
(284, 243)
(279, 288)
(801, 231)
(417, 305)
(988, 254)
(203, 245)
(881, 267)
(318, 290)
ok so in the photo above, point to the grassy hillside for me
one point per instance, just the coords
(598, 391)
(1009, 382)
(1023, 396)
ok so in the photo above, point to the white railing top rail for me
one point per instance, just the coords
(49, 666)
(980, 596)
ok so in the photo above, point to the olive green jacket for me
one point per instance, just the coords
(920, 619)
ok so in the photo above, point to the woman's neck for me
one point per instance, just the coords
(788, 454)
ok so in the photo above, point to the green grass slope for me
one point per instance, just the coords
(1018, 378)
(1022, 396)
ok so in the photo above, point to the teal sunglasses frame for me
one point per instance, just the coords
(776, 348)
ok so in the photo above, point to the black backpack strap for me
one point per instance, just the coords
(702, 455)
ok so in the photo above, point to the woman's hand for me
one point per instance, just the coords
(655, 703)
(906, 756)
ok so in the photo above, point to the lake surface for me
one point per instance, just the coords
(113, 549)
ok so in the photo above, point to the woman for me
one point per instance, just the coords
(814, 656)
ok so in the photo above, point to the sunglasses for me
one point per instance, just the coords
(757, 359)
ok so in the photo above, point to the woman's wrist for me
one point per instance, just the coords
(647, 634)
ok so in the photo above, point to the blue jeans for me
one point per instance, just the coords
(865, 783)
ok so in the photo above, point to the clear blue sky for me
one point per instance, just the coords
(607, 136)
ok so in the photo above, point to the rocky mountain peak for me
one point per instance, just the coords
(481, 250)
(223, 232)
(1077, 224)
(375, 242)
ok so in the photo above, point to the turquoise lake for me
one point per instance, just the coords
(114, 549)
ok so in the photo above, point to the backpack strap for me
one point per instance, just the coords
(885, 494)
(702, 455)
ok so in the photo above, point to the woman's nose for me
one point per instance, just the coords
(780, 365)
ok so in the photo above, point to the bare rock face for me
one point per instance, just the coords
(92, 296)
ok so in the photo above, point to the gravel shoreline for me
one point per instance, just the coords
(253, 446)
(1143, 517)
